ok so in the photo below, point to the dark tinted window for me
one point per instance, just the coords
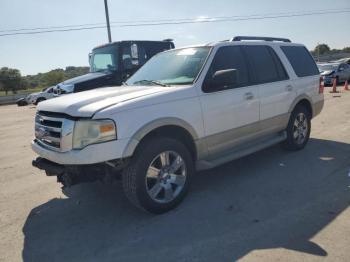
(266, 64)
(230, 57)
(301, 60)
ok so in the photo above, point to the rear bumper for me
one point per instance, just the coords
(317, 107)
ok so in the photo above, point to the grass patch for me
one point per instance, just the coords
(26, 91)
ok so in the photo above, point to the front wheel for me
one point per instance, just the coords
(159, 174)
(298, 130)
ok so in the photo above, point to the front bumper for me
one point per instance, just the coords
(91, 154)
(70, 175)
(328, 80)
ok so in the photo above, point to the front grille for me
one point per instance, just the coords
(48, 130)
(54, 131)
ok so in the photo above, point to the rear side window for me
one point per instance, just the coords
(301, 60)
(230, 57)
(267, 66)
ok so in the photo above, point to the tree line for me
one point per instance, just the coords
(12, 80)
(324, 49)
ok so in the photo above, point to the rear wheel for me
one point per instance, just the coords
(298, 130)
(159, 174)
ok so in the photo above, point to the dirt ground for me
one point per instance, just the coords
(271, 206)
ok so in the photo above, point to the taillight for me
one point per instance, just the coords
(321, 87)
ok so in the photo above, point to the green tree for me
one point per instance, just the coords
(25, 84)
(10, 79)
(53, 77)
(346, 49)
(322, 49)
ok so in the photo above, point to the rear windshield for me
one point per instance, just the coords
(301, 60)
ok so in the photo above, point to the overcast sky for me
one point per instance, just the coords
(43, 52)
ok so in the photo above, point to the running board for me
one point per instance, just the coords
(242, 151)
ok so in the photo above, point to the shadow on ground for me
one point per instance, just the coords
(270, 199)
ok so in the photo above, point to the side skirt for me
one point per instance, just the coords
(242, 150)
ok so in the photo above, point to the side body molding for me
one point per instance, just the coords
(168, 121)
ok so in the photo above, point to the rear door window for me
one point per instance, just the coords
(267, 66)
(302, 62)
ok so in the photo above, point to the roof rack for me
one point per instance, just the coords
(270, 39)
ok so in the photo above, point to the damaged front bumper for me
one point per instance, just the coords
(70, 175)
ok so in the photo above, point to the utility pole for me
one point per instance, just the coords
(107, 20)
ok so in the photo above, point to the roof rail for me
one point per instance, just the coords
(271, 39)
(168, 40)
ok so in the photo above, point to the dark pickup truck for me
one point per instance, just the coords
(111, 64)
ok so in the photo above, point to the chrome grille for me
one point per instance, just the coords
(53, 132)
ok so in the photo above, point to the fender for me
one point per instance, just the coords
(298, 99)
(147, 128)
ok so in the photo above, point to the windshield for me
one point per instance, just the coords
(104, 59)
(328, 67)
(177, 67)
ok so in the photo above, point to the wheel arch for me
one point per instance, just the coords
(304, 101)
(167, 127)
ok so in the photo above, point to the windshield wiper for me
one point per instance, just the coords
(150, 81)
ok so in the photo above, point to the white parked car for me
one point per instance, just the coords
(36, 98)
(186, 109)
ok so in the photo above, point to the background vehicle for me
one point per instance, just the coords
(186, 109)
(343, 60)
(340, 71)
(111, 64)
(22, 102)
(36, 98)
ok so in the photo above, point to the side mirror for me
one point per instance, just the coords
(223, 79)
(134, 51)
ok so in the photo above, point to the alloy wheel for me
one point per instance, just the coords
(166, 177)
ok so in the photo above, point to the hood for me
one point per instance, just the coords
(34, 94)
(327, 72)
(86, 77)
(86, 104)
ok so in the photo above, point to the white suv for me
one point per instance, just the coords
(186, 109)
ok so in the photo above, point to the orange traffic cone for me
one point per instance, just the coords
(334, 89)
(346, 86)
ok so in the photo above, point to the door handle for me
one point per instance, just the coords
(248, 96)
(289, 88)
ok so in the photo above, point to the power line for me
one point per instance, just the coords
(139, 23)
(213, 20)
(165, 20)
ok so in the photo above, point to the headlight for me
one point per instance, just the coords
(87, 132)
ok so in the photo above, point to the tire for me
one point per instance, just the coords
(149, 189)
(39, 100)
(299, 123)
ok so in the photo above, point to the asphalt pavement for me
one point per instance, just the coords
(273, 205)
